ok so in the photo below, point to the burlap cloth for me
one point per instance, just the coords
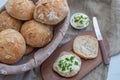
(107, 12)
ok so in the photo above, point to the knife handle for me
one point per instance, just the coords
(104, 52)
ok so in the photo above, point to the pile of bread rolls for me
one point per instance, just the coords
(25, 25)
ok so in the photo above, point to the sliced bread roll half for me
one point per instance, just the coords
(86, 46)
(67, 64)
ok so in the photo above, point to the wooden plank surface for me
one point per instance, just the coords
(87, 65)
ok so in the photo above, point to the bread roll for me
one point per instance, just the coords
(37, 34)
(8, 22)
(20, 9)
(29, 49)
(50, 11)
(12, 46)
(67, 64)
(86, 46)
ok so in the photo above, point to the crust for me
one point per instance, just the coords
(20, 9)
(8, 22)
(29, 49)
(62, 74)
(50, 12)
(94, 44)
(36, 34)
(12, 46)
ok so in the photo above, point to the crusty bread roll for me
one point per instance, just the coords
(86, 46)
(12, 46)
(29, 49)
(50, 11)
(37, 34)
(20, 9)
(67, 64)
(8, 22)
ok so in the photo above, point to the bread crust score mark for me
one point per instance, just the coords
(12, 46)
(50, 12)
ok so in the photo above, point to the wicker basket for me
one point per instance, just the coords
(39, 55)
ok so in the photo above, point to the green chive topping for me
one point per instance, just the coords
(72, 58)
(67, 59)
(81, 19)
(76, 63)
(67, 63)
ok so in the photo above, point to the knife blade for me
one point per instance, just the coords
(100, 40)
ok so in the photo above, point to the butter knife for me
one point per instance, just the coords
(100, 40)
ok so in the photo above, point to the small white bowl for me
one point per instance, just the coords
(79, 20)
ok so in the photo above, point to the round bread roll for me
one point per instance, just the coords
(67, 64)
(86, 46)
(37, 34)
(50, 12)
(20, 9)
(12, 46)
(8, 22)
(29, 49)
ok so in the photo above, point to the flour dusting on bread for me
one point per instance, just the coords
(52, 15)
(54, 11)
(41, 16)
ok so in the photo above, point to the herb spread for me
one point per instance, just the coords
(79, 20)
(68, 64)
